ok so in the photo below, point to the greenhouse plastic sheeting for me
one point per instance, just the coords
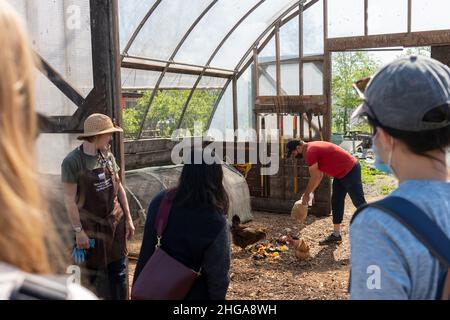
(60, 32)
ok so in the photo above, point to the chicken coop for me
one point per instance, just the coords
(236, 68)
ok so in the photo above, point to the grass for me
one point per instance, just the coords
(387, 189)
(372, 176)
(369, 175)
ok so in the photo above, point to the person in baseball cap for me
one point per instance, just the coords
(407, 104)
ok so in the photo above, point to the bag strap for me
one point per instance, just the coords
(162, 217)
(417, 222)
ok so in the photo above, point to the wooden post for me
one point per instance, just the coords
(106, 69)
(235, 106)
(409, 15)
(278, 84)
(326, 75)
(441, 53)
(327, 117)
(106, 66)
(278, 62)
(255, 75)
(301, 46)
(366, 17)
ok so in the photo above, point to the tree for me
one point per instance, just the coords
(417, 51)
(348, 67)
(166, 110)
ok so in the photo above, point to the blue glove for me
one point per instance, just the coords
(79, 255)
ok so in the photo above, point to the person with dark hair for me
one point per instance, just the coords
(400, 245)
(326, 157)
(197, 232)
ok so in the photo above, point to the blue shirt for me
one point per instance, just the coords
(383, 249)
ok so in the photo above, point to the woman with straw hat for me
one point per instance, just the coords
(98, 208)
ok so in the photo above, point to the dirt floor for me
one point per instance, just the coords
(323, 276)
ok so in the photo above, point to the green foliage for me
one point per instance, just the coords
(374, 177)
(387, 189)
(166, 111)
(418, 51)
(369, 175)
(131, 120)
(348, 67)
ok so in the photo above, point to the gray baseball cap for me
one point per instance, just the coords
(402, 92)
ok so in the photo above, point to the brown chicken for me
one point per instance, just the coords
(300, 247)
(245, 236)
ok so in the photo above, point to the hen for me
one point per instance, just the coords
(245, 236)
(300, 247)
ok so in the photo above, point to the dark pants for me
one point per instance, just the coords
(351, 184)
(111, 283)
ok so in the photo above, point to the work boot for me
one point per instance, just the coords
(332, 238)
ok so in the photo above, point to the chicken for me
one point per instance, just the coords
(300, 247)
(245, 236)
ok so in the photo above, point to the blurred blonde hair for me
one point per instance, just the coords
(24, 225)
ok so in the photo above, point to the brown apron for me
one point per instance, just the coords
(101, 214)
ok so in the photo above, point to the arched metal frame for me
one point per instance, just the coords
(186, 104)
(139, 27)
(203, 70)
(172, 56)
(237, 71)
(260, 48)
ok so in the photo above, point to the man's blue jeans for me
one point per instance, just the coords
(351, 184)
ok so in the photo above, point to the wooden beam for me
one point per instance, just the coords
(413, 39)
(282, 61)
(180, 65)
(317, 58)
(94, 102)
(291, 104)
(58, 80)
(159, 68)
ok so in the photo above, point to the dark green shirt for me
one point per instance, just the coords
(71, 166)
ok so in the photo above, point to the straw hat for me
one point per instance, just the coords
(97, 124)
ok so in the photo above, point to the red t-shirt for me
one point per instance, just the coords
(332, 159)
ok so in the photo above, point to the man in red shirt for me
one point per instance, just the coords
(325, 157)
